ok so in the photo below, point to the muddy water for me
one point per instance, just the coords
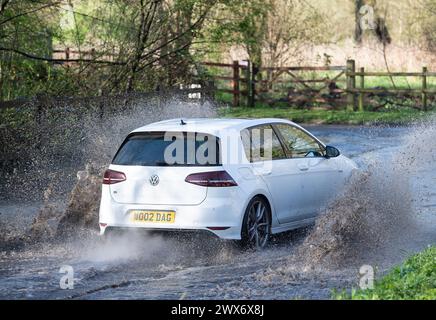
(155, 267)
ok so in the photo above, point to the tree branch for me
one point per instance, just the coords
(28, 12)
(177, 37)
(164, 56)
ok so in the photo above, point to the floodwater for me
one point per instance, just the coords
(139, 266)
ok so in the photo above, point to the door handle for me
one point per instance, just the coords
(262, 169)
(303, 167)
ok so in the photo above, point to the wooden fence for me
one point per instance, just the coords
(335, 85)
(332, 86)
(355, 93)
(296, 88)
(71, 54)
(241, 80)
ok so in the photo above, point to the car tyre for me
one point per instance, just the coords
(256, 225)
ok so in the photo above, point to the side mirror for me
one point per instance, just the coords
(331, 152)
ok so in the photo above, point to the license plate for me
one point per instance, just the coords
(153, 216)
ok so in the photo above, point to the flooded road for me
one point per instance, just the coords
(141, 266)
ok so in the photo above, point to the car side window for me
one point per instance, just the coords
(299, 143)
(261, 143)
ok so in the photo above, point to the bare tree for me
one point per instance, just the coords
(147, 14)
(378, 23)
(290, 26)
(118, 44)
(357, 29)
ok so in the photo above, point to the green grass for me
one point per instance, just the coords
(415, 279)
(319, 116)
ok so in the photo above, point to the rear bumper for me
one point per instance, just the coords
(222, 211)
(156, 231)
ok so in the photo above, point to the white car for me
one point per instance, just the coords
(241, 179)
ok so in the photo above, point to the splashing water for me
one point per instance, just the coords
(70, 194)
(376, 209)
(375, 213)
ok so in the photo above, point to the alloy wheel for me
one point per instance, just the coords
(258, 224)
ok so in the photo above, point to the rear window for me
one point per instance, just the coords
(169, 149)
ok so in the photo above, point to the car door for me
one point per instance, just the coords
(282, 177)
(319, 177)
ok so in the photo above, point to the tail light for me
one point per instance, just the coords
(112, 176)
(211, 179)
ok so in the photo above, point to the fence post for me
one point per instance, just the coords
(424, 88)
(254, 71)
(236, 92)
(362, 86)
(351, 85)
(207, 91)
(248, 83)
(210, 90)
(67, 53)
(269, 84)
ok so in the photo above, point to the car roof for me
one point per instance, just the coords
(207, 125)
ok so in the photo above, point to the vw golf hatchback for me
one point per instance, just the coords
(239, 179)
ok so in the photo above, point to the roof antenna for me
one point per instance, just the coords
(182, 123)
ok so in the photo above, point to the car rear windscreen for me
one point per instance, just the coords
(169, 149)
